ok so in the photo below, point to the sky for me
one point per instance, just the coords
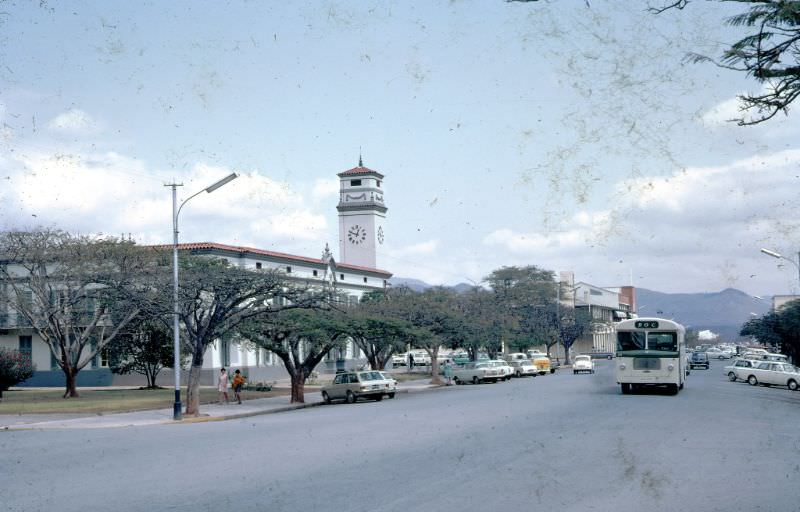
(571, 135)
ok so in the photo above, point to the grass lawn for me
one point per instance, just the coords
(102, 401)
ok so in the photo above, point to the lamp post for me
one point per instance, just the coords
(176, 336)
(777, 255)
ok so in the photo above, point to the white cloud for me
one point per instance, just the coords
(422, 248)
(722, 113)
(113, 193)
(325, 188)
(74, 121)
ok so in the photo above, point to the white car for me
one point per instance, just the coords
(715, 353)
(583, 364)
(743, 365)
(771, 374)
(399, 360)
(523, 367)
(505, 370)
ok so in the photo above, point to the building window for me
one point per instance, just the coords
(224, 353)
(379, 183)
(26, 345)
(288, 270)
(104, 357)
(341, 277)
(258, 265)
(355, 183)
(365, 279)
(315, 273)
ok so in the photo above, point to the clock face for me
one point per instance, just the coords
(380, 235)
(356, 234)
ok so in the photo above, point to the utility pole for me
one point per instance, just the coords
(176, 336)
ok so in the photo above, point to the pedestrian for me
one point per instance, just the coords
(448, 370)
(410, 362)
(222, 386)
(238, 382)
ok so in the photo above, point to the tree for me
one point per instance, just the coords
(779, 328)
(215, 298)
(145, 347)
(15, 367)
(77, 293)
(770, 53)
(573, 324)
(300, 338)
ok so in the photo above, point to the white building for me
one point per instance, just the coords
(362, 230)
(606, 307)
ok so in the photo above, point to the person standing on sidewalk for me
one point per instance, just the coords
(222, 386)
(410, 362)
(238, 382)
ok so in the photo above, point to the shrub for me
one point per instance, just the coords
(15, 367)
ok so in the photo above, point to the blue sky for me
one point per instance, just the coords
(568, 136)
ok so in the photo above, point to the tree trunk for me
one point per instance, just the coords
(566, 353)
(72, 384)
(193, 390)
(298, 386)
(435, 366)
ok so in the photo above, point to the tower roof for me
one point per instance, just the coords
(360, 171)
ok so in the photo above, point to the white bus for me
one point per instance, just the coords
(650, 352)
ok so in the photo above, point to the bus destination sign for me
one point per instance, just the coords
(647, 324)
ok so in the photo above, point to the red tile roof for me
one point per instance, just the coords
(358, 171)
(272, 254)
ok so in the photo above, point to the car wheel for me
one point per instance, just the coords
(519, 374)
(732, 377)
(455, 379)
(681, 386)
(351, 398)
(379, 398)
(391, 395)
(721, 358)
(752, 380)
(325, 397)
(574, 372)
(626, 388)
(609, 357)
(792, 385)
(476, 380)
(552, 371)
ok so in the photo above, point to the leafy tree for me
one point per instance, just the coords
(145, 347)
(300, 338)
(779, 328)
(770, 53)
(15, 367)
(215, 298)
(574, 323)
(77, 293)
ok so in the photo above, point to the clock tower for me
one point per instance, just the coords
(362, 216)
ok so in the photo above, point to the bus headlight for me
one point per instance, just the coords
(671, 367)
(622, 366)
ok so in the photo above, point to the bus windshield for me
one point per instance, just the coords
(663, 341)
(630, 340)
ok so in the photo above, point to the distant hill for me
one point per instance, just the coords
(721, 312)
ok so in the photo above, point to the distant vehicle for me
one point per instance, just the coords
(650, 352)
(399, 360)
(583, 363)
(602, 355)
(476, 373)
(522, 367)
(772, 374)
(698, 360)
(541, 362)
(421, 358)
(350, 386)
(715, 353)
(777, 358)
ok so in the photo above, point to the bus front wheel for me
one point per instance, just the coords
(626, 388)
(673, 389)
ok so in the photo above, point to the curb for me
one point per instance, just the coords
(208, 419)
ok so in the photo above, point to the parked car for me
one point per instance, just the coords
(772, 374)
(392, 383)
(522, 367)
(744, 365)
(541, 362)
(476, 373)
(698, 360)
(350, 386)
(775, 358)
(583, 364)
(506, 371)
(421, 358)
(400, 360)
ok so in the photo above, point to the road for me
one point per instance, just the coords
(564, 442)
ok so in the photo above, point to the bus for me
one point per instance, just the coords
(650, 352)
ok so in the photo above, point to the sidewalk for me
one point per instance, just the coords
(210, 412)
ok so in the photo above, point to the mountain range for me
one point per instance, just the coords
(721, 312)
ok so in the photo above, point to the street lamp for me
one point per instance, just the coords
(176, 336)
(777, 255)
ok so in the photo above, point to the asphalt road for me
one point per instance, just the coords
(564, 442)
